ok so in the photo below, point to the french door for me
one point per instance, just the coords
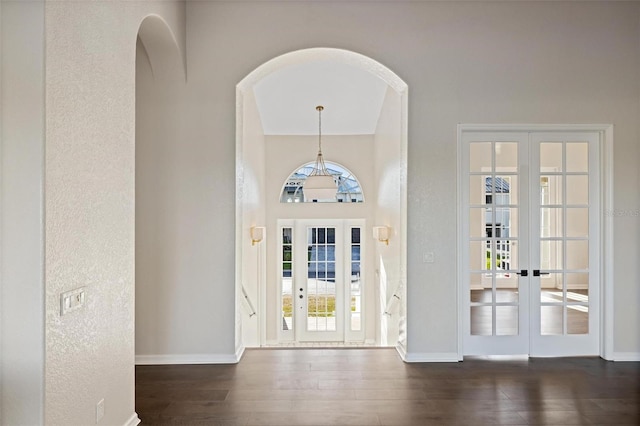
(321, 288)
(530, 243)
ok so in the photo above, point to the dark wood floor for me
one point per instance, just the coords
(374, 387)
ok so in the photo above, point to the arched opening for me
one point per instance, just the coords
(366, 120)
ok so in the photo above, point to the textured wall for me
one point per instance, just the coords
(90, 210)
(89, 205)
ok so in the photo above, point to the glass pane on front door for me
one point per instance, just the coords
(321, 279)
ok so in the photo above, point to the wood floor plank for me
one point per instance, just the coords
(309, 387)
(276, 394)
(314, 418)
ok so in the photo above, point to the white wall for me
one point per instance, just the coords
(22, 155)
(390, 271)
(252, 168)
(465, 62)
(89, 204)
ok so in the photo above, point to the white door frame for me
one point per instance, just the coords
(606, 229)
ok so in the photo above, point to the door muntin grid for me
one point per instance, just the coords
(321, 291)
(564, 237)
(494, 296)
(356, 280)
(286, 279)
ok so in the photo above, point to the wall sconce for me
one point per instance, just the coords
(257, 234)
(381, 233)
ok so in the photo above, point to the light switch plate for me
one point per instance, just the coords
(72, 300)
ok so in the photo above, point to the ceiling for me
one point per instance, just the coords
(352, 99)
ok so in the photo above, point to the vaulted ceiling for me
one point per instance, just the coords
(352, 99)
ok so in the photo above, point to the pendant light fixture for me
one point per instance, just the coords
(320, 184)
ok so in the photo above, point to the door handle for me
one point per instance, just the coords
(523, 273)
(537, 273)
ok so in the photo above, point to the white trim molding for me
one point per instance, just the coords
(410, 357)
(626, 357)
(532, 128)
(239, 353)
(402, 352)
(607, 308)
(134, 420)
(432, 357)
(189, 358)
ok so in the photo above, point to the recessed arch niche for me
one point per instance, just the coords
(259, 177)
(160, 48)
(160, 80)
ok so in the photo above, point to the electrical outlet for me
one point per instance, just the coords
(72, 300)
(99, 410)
(429, 257)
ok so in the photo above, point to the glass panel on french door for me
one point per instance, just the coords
(564, 238)
(493, 239)
(355, 306)
(286, 279)
(321, 279)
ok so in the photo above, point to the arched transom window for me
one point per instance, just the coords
(349, 189)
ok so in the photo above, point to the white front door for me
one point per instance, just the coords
(530, 203)
(322, 286)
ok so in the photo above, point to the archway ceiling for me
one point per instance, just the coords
(352, 98)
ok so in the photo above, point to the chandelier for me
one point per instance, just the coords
(320, 184)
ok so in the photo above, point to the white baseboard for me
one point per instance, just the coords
(402, 352)
(626, 356)
(239, 353)
(431, 357)
(189, 359)
(133, 420)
